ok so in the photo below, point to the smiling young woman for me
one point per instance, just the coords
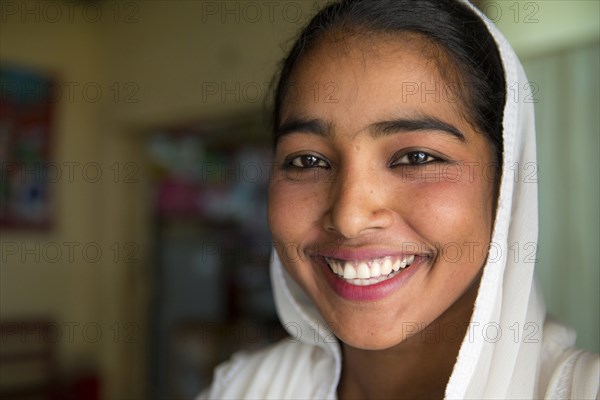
(390, 191)
(371, 208)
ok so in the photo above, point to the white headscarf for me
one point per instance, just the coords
(501, 355)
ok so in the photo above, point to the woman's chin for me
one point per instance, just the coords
(372, 341)
(372, 344)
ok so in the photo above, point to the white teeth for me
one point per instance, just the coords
(362, 271)
(337, 268)
(375, 270)
(369, 272)
(349, 271)
(386, 267)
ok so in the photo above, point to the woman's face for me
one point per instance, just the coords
(381, 200)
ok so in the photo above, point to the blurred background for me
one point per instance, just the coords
(134, 155)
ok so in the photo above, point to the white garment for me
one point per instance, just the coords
(511, 351)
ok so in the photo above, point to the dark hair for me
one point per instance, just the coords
(447, 24)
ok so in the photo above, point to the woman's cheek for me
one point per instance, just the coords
(292, 208)
(451, 214)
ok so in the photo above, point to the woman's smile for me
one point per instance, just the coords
(369, 280)
(369, 271)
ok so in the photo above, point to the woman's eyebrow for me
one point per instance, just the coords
(300, 125)
(384, 128)
(427, 123)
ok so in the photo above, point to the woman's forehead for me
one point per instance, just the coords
(372, 49)
(368, 80)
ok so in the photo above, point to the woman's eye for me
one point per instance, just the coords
(415, 158)
(308, 161)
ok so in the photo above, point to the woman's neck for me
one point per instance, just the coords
(417, 368)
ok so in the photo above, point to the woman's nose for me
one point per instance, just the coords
(357, 205)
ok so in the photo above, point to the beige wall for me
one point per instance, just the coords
(39, 286)
(539, 27)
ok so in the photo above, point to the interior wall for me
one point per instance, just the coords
(200, 58)
(539, 27)
(36, 282)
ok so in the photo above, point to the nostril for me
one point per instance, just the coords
(352, 223)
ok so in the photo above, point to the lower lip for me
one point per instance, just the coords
(373, 292)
